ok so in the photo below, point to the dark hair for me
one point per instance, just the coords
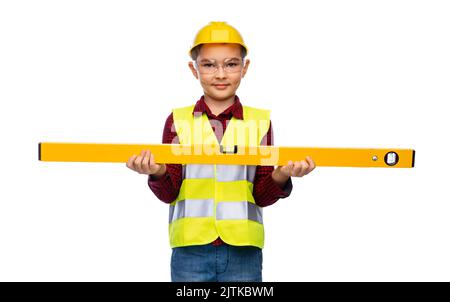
(196, 51)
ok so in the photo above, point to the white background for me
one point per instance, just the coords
(334, 73)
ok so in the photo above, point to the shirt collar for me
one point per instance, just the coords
(234, 110)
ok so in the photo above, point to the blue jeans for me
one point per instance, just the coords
(208, 263)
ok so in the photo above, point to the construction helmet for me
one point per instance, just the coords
(218, 32)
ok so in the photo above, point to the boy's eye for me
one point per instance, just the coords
(208, 65)
(232, 64)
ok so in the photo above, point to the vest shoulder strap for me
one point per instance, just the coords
(182, 118)
(251, 113)
(182, 112)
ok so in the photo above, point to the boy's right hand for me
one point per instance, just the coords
(145, 164)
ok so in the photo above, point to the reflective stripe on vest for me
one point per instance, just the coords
(225, 210)
(191, 208)
(217, 200)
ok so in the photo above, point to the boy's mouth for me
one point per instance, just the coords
(221, 86)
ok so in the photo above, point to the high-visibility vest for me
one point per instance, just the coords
(217, 200)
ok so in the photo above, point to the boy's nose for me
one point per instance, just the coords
(220, 73)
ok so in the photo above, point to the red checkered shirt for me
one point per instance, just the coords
(265, 191)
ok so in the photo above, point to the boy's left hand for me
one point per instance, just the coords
(297, 169)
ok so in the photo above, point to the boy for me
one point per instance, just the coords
(215, 221)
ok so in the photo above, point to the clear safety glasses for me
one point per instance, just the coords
(206, 66)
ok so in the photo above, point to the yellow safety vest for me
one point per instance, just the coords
(217, 200)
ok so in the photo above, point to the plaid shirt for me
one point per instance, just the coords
(265, 191)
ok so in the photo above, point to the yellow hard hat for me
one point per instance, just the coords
(218, 32)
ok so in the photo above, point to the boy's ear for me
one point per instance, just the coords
(244, 70)
(192, 68)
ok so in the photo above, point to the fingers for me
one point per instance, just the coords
(152, 159)
(145, 163)
(153, 166)
(286, 169)
(131, 161)
(137, 164)
(300, 168)
(312, 165)
(141, 163)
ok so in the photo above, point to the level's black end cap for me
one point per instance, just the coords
(413, 158)
(39, 151)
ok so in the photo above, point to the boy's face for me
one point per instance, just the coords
(223, 83)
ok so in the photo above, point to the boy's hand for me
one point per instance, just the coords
(296, 169)
(145, 164)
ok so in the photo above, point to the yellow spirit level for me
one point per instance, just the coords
(234, 155)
